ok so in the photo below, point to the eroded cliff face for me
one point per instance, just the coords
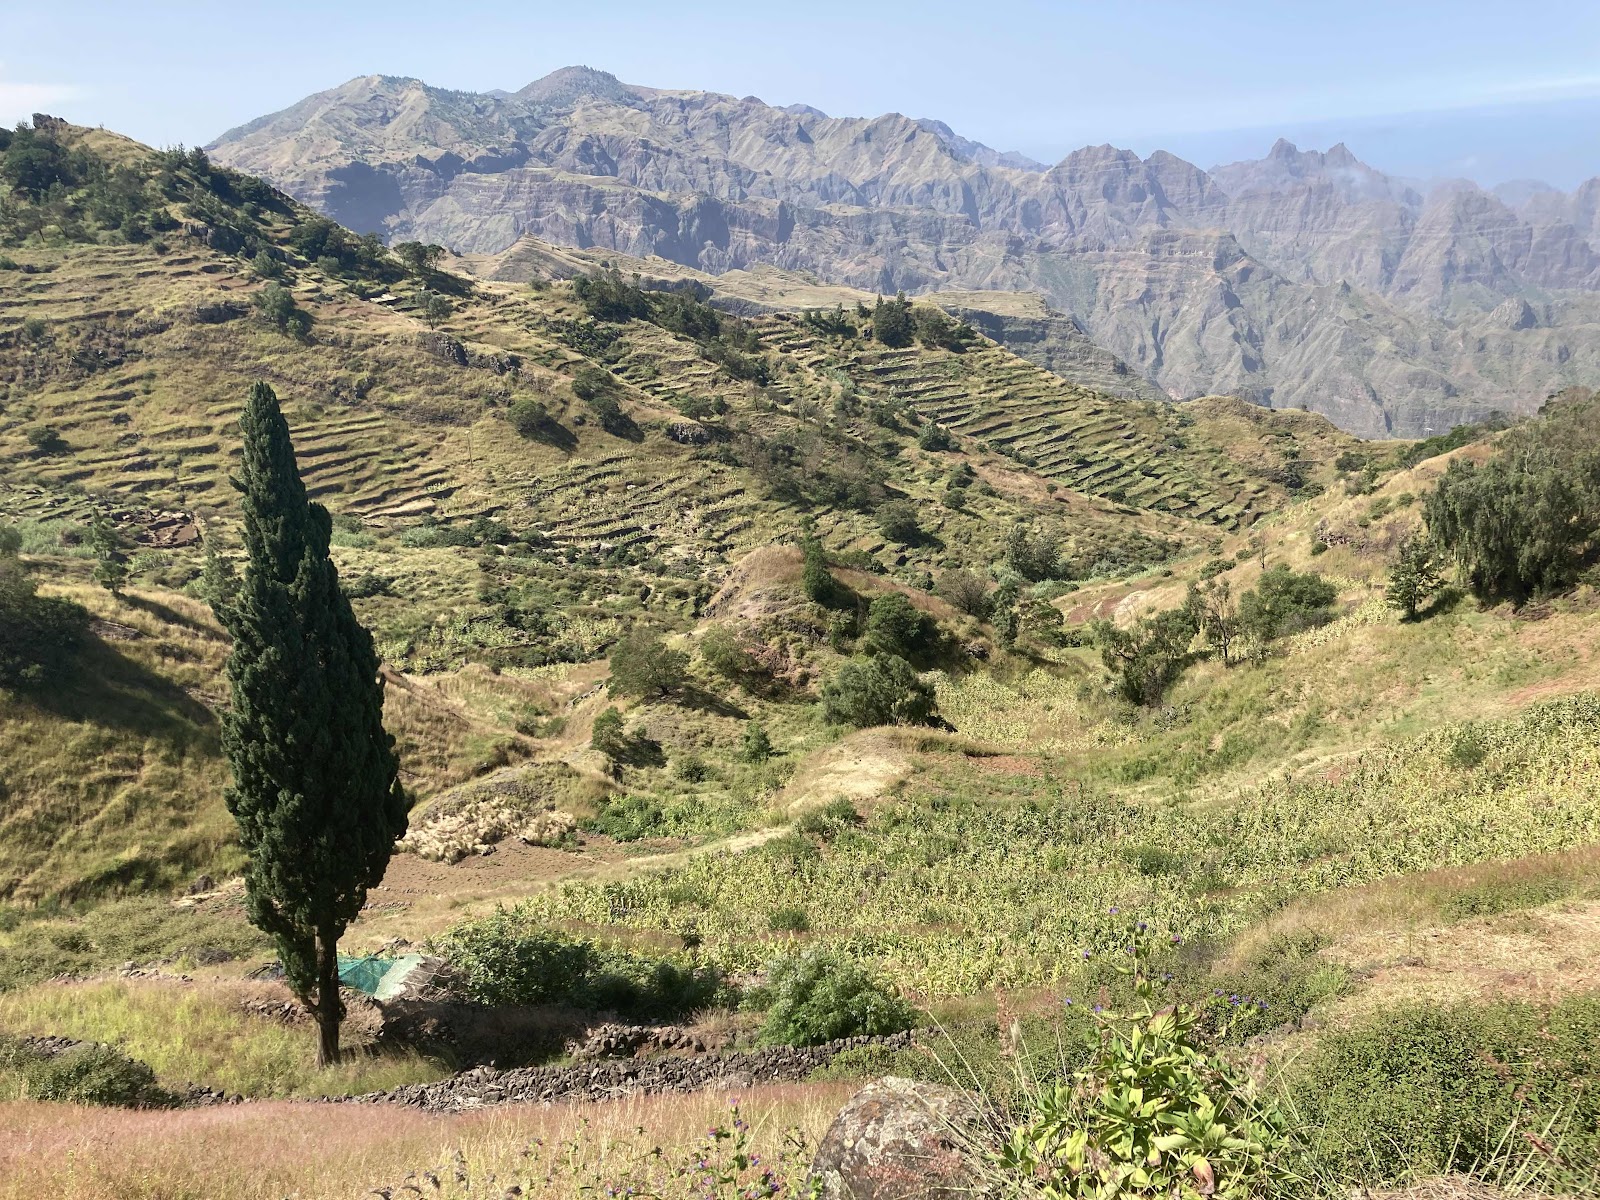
(1304, 279)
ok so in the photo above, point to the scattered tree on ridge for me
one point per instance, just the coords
(891, 321)
(1527, 522)
(1414, 576)
(110, 561)
(314, 775)
(435, 309)
(642, 664)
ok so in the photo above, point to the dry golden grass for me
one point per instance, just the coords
(322, 1152)
(200, 1033)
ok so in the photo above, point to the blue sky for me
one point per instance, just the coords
(1486, 90)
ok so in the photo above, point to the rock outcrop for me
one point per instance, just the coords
(897, 1139)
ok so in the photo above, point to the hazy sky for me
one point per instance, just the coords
(1478, 88)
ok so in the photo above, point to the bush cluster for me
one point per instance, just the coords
(820, 996)
(501, 960)
(88, 1074)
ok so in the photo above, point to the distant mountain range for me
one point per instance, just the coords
(1303, 279)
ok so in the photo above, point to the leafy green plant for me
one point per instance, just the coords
(1153, 1113)
(895, 626)
(755, 746)
(606, 734)
(820, 996)
(788, 920)
(826, 822)
(629, 818)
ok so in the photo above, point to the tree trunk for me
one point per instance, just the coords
(330, 1009)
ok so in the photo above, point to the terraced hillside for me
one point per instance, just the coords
(1143, 455)
(137, 359)
(1021, 321)
(473, 533)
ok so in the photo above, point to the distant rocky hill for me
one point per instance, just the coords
(1304, 279)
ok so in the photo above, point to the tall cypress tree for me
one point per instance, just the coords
(315, 781)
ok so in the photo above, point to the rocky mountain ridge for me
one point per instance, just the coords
(1302, 279)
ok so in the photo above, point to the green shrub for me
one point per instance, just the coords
(275, 305)
(829, 820)
(1422, 1091)
(591, 382)
(1036, 556)
(818, 582)
(891, 321)
(754, 744)
(1526, 522)
(691, 768)
(629, 818)
(1146, 658)
(89, 1074)
(501, 960)
(1414, 577)
(46, 439)
(1284, 602)
(788, 920)
(529, 417)
(882, 690)
(606, 735)
(643, 665)
(725, 654)
(897, 521)
(820, 996)
(1468, 750)
(896, 626)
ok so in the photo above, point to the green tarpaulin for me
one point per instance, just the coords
(376, 976)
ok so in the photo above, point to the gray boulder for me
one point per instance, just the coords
(897, 1139)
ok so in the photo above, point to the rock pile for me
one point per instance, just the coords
(626, 1041)
(484, 1086)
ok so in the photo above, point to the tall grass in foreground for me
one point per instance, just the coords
(336, 1152)
(199, 1033)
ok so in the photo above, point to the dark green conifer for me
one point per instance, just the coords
(315, 789)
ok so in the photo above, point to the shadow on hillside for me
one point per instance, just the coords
(171, 616)
(105, 687)
(467, 1035)
(704, 701)
(1447, 601)
(640, 751)
(556, 435)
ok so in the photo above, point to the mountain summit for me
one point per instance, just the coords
(1303, 279)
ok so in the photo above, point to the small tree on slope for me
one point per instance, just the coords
(315, 789)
